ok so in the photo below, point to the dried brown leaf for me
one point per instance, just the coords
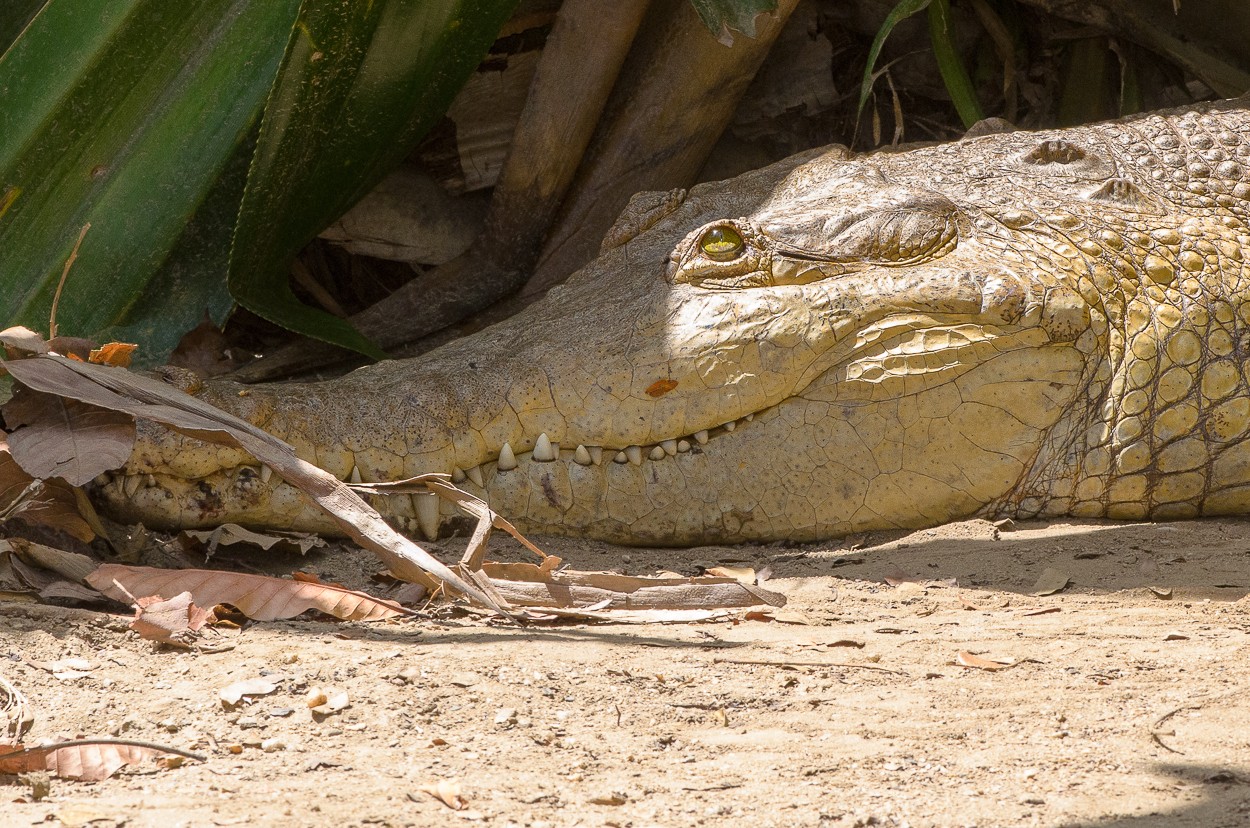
(139, 396)
(967, 659)
(56, 505)
(69, 565)
(48, 584)
(229, 534)
(781, 616)
(14, 480)
(88, 759)
(205, 350)
(259, 597)
(896, 577)
(177, 621)
(74, 347)
(58, 437)
(741, 574)
(446, 791)
(533, 585)
(64, 669)
(1051, 581)
(23, 340)
(232, 694)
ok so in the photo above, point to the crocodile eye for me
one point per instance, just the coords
(722, 243)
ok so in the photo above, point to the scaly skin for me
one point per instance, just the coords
(1016, 325)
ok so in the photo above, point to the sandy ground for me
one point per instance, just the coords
(1123, 708)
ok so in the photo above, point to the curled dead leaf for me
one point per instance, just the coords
(177, 621)
(119, 390)
(65, 669)
(1051, 581)
(58, 437)
(259, 597)
(232, 694)
(229, 534)
(113, 353)
(446, 791)
(88, 759)
(967, 659)
(742, 574)
(23, 340)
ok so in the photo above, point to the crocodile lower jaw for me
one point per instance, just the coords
(253, 495)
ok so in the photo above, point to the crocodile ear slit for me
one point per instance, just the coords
(1062, 157)
(644, 211)
(1054, 151)
(1124, 193)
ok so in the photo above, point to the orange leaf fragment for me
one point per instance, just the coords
(661, 387)
(114, 353)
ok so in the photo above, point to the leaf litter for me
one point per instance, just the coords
(90, 760)
(551, 594)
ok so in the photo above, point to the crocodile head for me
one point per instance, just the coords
(828, 345)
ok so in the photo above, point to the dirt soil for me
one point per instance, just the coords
(1125, 705)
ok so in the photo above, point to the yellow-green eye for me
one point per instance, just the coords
(722, 243)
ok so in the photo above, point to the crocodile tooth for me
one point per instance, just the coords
(457, 475)
(543, 452)
(700, 437)
(658, 453)
(748, 418)
(683, 445)
(149, 482)
(355, 475)
(410, 525)
(596, 454)
(102, 479)
(266, 472)
(475, 474)
(730, 426)
(670, 447)
(634, 454)
(130, 484)
(620, 458)
(426, 506)
(507, 460)
(581, 457)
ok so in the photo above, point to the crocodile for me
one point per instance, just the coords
(1018, 324)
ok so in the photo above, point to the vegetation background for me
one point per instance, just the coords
(207, 146)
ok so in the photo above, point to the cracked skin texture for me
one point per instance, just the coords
(1015, 325)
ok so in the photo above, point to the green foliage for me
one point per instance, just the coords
(954, 75)
(360, 83)
(122, 118)
(722, 17)
(14, 16)
(143, 118)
